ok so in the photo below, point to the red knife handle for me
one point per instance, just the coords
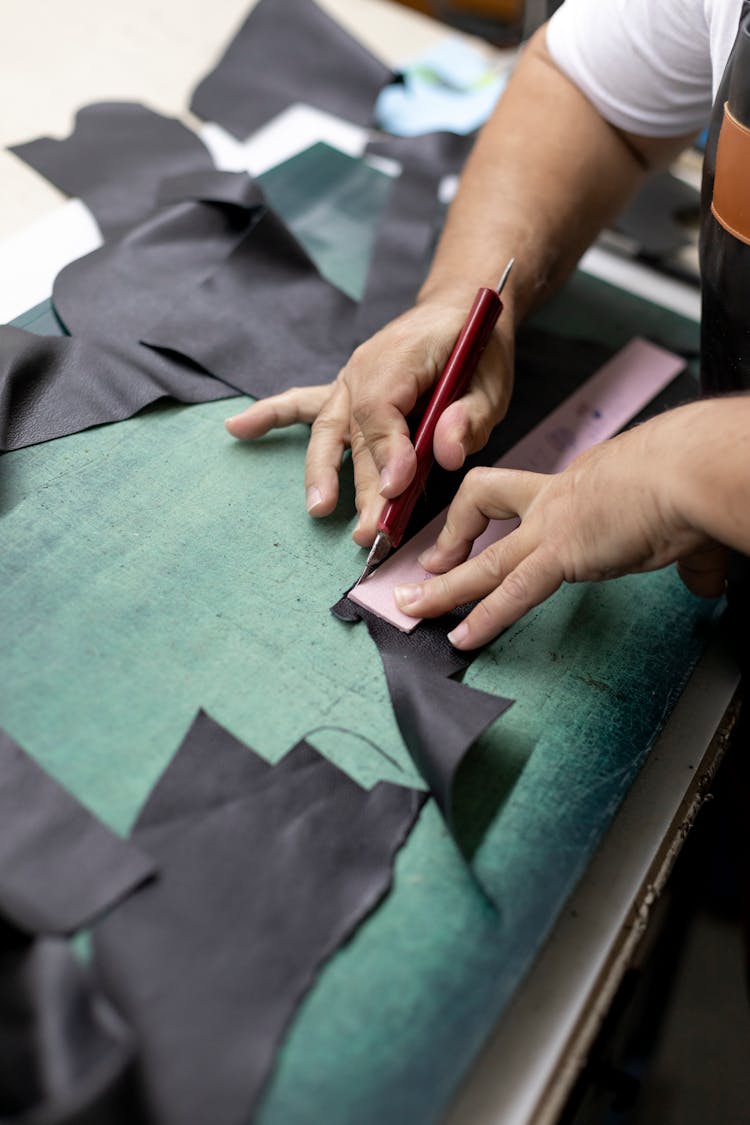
(454, 381)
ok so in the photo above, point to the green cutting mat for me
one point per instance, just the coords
(156, 566)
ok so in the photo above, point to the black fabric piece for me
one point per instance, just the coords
(60, 867)
(265, 872)
(265, 319)
(439, 718)
(115, 158)
(402, 249)
(66, 1058)
(289, 51)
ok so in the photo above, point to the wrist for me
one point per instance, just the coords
(459, 296)
(704, 477)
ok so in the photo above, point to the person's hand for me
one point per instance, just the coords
(615, 510)
(367, 405)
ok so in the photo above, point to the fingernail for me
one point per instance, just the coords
(459, 635)
(424, 558)
(460, 445)
(407, 595)
(314, 497)
(386, 479)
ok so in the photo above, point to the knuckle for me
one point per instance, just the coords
(473, 484)
(515, 586)
(483, 613)
(365, 410)
(450, 533)
(442, 586)
(492, 564)
(327, 423)
(359, 446)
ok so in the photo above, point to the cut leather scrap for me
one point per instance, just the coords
(60, 867)
(115, 158)
(289, 51)
(439, 718)
(264, 872)
(265, 319)
(67, 1059)
(730, 204)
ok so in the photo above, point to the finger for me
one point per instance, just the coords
(532, 581)
(465, 426)
(300, 404)
(367, 485)
(705, 572)
(329, 438)
(386, 434)
(484, 495)
(465, 583)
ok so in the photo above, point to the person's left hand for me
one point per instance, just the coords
(611, 512)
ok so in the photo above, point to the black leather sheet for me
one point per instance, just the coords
(60, 867)
(264, 319)
(115, 158)
(55, 385)
(289, 51)
(439, 717)
(119, 290)
(264, 872)
(66, 1058)
(109, 299)
(207, 293)
(213, 280)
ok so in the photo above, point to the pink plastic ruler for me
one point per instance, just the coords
(597, 410)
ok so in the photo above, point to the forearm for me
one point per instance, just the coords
(547, 173)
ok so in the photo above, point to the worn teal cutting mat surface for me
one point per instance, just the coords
(156, 566)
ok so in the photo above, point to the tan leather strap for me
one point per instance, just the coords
(731, 201)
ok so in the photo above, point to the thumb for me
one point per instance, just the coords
(467, 424)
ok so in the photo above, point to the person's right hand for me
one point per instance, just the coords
(367, 405)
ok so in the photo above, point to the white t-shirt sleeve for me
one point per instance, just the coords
(645, 64)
